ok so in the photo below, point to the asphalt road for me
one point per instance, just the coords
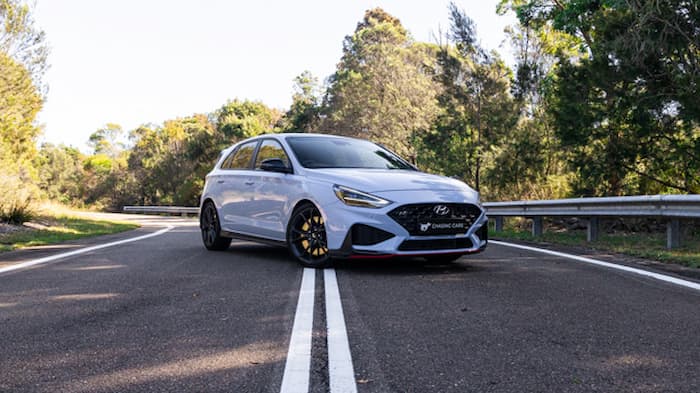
(162, 314)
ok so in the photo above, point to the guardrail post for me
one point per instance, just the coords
(673, 234)
(593, 228)
(498, 225)
(536, 226)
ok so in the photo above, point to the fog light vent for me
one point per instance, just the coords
(365, 235)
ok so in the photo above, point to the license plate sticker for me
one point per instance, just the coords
(437, 227)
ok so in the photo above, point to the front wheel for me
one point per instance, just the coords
(306, 237)
(211, 229)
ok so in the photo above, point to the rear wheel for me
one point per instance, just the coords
(306, 237)
(211, 229)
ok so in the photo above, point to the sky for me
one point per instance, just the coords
(134, 62)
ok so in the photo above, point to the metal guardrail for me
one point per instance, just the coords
(672, 207)
(161, 210)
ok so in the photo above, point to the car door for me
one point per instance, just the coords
(273, 191)
(236, 182)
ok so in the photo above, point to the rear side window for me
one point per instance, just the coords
(241, 157)
(270, 149)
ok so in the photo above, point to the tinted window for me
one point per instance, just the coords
(240, 158)
(270, 149)
(320, 152)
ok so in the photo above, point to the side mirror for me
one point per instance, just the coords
(275, 165)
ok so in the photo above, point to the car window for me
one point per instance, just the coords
(241, 157)
(270, 149)
(323, 152)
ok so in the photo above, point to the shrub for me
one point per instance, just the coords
(16, 198)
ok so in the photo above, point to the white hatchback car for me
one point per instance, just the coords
(327, 197)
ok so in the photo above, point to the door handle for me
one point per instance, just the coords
(220, 181)
(249, 183)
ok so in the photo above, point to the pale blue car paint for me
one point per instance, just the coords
(260, 203)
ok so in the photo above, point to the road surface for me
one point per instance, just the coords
(162, 314)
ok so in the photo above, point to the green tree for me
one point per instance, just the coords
(477, 111)
(60, 173)
(19, 105)
(167, 164)
(625, 106)
(20, 102)
(21, 40)
(244, 119)
(108, 140)
(383, 87)
(303, 114)
(530, 163)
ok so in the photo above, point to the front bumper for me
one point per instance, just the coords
(393, 240)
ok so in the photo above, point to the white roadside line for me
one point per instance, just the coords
(340, 371)
(297, 369)
(657, 276)
(81, 251)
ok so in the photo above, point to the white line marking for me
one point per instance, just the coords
(657, 276)
(81, 251)
(340, 370)
(297, 369)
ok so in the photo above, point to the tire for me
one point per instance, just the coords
(442, 259)
(306, 237)
(211, 229)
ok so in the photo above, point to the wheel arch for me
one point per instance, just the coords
(204, 202)
(301, 202)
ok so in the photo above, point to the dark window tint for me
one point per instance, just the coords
(270, 149)
(240, 159)
(322, 152)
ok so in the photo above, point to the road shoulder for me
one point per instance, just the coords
(688, 273)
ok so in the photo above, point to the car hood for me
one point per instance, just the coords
(383, 180)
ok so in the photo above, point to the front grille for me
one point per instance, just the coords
(365, 235)
(411, 217)
(436, 244)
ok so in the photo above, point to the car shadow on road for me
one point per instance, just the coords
(405, 266)
(260, 251)
(389, 266)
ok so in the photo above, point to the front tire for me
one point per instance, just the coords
(306, 237)
(211, 229)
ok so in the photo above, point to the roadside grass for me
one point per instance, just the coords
(50, 227)
(643, 245)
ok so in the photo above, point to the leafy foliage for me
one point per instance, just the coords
(383, 88)
(19, 104)
(304, 113)
(21, 40)
(621, 105)
(477, 111)
(603, 101)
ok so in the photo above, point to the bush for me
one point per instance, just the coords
(16, 199)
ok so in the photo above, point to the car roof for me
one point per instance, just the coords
(286, 135)
(305, 135)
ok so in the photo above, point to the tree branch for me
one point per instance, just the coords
(652, 178)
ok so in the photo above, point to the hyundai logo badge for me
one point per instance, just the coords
(441, 210)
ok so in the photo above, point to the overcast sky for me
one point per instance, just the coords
(132, 62)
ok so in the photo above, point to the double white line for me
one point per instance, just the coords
(297, 370)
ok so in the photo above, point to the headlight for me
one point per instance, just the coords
(358, 198)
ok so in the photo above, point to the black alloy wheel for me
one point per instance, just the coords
(211, 229)
(306, 237)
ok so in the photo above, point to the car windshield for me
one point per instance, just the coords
(323, 152)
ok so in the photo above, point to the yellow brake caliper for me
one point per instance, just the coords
(305, 242)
